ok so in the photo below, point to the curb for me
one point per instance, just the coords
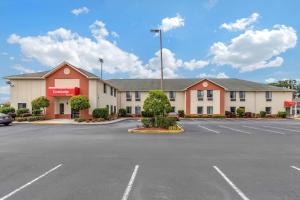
(73, 123)
(180, 131)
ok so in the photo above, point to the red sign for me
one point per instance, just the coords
(58, 92)
(289, 103)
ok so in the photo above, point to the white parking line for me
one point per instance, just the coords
(29, 183)
(284, 129)
(236, 189)
(129, 186)
(264, 130)
(233, 129)
(294, 167)
(209, 129)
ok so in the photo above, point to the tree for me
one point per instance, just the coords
(290, 84)
(157, 103)
(40, 102)
(79, 102)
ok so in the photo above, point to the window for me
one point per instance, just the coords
(21, 105)
(128, 109)
(210, 110)
(104, 88)
(232, 96)
(232, 109)
(138, 110)
(268, 110)
(200, 95)
(242, 95)
(111, 91)
(209, 95)
(172, 95)
(199, 110)
(115, 109)
(137, 96)
(61, 108)
(111, 109)
(128, 96)
(268, 96)
(173, 109)
(115, 92)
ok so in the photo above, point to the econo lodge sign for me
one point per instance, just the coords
(58, 92)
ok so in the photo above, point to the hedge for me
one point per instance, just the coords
(181, 113)
(22, 111)
(37, 112)
(7, 110)
(122, 112)
(100, 113)
(282, 114)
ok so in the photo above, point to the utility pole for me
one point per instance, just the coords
(161, 57)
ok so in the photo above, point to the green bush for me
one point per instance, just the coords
(36, 118)
(282, 114)
(181, 113)
(218, 116)
(100, 113)
(7, 110)
(147, 114)
(22, 111)
(165, 122)
(262, 114)
(37, 112)
(148, 122)
(240, 112)
(21, 119)
(122, 112)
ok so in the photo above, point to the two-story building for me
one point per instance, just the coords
(194, 96)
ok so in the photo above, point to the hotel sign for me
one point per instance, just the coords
(289, 103)
(59, 92)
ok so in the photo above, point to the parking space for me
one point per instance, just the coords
(212, 160)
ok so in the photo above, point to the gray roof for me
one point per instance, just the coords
(229, 84)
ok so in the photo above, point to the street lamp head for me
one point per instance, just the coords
(101, 60)
(155, 30)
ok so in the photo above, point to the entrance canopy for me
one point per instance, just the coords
(59, 92)
(289, 103)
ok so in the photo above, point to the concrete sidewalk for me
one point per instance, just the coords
(70, 121)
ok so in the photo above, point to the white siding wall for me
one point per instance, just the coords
(215, 103)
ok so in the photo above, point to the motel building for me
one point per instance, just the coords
(208, 96)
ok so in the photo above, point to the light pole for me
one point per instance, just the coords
(161, 58)
(101, 62)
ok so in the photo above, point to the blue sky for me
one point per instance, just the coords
(254, 40)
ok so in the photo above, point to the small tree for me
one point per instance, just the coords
(79, 102)
(240, 112)
(40, 102)
(157, 103)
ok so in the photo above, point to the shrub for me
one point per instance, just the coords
(100, 113)
(248, 114)
(7, 110)
(40, 102)
(36, 118)
(181, 113)
(21, 119)
(165, 122)
(37, 112)
(262, 114)
(147, 114)
(218, 116)
(240, 112)
(157, 103)
(227, 113)
(22, 111)
(122, 112)
(282, 114)
(148, 122)
(80, 120)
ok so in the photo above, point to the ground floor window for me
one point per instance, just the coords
(21, 105)
(232, 109)
(111, 109)
(199, 110)
(115, 109)
(138, 110)
(268, 110)
(209, 110)
(128, 109)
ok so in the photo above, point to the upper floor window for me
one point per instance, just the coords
(111, 91)
(242, 95)
(210, 95)
(115, 92)
(137, 96)
(21, 105)
(232, 96)
(200, 94)
(104, 88)
(268, 96)
(172, 95)
(128, 96)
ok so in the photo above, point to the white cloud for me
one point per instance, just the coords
(82, 10)
(255, 49)
(195, 64)
(241, 24)
(114, 34)
(271, 80)
(11, 58)
(99, 30)
(219, 75)
(168, 24)
(23, 69)
(4, 89)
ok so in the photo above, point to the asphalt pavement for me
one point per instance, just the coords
(211, 160)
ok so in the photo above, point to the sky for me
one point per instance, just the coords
(250, 39)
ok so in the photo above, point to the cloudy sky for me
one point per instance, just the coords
(249, 39)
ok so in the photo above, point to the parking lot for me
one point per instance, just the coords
(211, 160)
